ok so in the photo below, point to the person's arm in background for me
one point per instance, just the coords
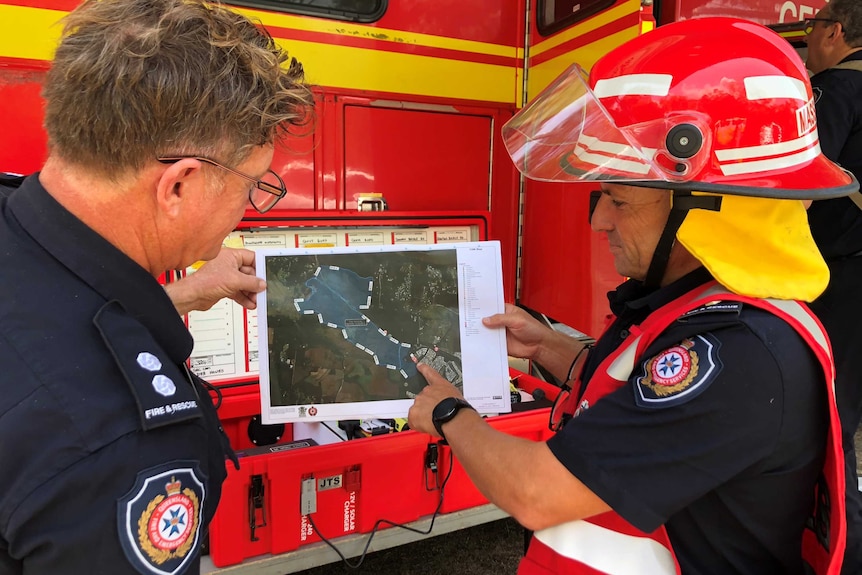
(834, 104)
(230, 274)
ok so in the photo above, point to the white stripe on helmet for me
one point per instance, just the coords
(634, 85)
(771, 87)
(770, 164)
(766, 150)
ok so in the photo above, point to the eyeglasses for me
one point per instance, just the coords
(809, 24)
(265, 193)
(562, 410)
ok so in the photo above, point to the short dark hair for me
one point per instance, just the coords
(849, 14)
(133, 80)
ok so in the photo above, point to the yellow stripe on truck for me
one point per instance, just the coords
(376, 70)
(590, 24)
(30, 33)
(36, 32)
(337, 28)
(543, 74)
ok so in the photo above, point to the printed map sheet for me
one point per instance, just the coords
(340, 330)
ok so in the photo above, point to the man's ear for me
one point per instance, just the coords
(837, 31)
(176, 184)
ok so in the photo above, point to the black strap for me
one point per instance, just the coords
(682, 203)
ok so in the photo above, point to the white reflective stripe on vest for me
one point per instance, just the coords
(793, 309)
(608, 551)
(621, 368)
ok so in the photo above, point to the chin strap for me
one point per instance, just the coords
(682, 202)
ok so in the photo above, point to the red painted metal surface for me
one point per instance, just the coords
(493, 22)
(763, 12)
(505, 208)
(22, 145)
(626, 20)
(418, 160)
(566, 268)
(295, 160)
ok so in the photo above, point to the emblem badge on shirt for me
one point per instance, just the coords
(679, 373)
(159, 520)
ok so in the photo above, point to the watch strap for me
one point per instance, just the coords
(457, 405)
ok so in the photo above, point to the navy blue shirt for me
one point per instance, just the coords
(837, 223)
(728, 467)
(112, 453)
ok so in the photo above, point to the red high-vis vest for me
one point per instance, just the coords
(606, 544)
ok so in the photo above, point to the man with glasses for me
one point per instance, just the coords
(231, 274)
(162, 117)
(262, 195)
(834, 40)
(699, 434)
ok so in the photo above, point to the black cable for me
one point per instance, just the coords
(382, 521)
(213, 389)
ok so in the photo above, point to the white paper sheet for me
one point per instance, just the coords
(340, 329)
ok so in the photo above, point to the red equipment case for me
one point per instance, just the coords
(395, 477)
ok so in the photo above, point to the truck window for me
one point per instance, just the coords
(351, 10)
(554, 15)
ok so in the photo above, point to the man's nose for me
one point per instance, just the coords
(599, 221)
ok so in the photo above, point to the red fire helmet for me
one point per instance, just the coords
(717, 105)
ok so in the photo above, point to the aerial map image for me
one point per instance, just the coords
(346, 328)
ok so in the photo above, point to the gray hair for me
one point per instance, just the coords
(132, 80)
(849, 13)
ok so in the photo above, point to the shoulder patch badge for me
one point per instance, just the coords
(159, 520)
(162, 392)
(679, 373)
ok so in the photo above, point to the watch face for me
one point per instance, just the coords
(445, 410)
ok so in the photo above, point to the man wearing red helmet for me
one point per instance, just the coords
(699, 434)
(834, 40)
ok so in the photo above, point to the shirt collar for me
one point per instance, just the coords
(857, 55)
(100, 265)
(633, 299)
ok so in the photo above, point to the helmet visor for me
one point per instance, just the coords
(567, 135)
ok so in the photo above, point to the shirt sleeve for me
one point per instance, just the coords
(834, 101)
(133, 506)
(650, 459)
(128, 505)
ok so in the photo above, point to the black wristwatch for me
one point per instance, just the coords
(446, 410)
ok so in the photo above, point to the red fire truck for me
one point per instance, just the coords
(411, 97)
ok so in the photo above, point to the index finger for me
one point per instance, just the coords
(431, 375)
